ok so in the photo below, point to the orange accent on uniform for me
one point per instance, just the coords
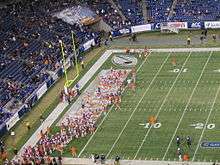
(185, 157)
(73, 151)
(174, 61)
(152, 119)
(4, 155)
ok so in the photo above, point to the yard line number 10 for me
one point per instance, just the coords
(148, 125)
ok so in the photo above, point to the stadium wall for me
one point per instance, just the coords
(38, 93)
(157, 26)
(101, 26)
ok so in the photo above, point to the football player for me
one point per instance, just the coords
(189, 141)
(179, 154)
(178, 141)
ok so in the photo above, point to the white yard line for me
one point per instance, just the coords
(174, 134)
(52, 117)
(32, 141)
(173, 50)
(207, 120)
(137, 105)
(88, 161)
(171, 88)
(105, 117)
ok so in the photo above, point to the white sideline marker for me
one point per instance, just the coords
(164, 100)
(174, 134)
(207, 120)
(145, 92)
(106, 115)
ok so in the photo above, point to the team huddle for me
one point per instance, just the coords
(180, 142)
(108, 92)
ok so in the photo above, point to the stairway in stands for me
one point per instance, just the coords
(116, 7)
(172, 9)
(145, 12)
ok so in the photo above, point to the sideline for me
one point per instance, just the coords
(32, 141)
(82, 161)
(170, 50)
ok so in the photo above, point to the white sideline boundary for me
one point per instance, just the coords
(61, 106)
(185, 109)
(170, 50)
(32, 141)
(87, 161)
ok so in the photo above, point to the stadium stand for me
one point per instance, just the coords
(159, 9)
(132, 10)
(105, 10)
(29, 49)
(204, 10)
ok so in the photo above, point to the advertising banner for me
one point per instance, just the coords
(178, 25)
(55, 76)
(24, 109)
(89, 44)
(156, 26)
(212, 25)
(125, 31)
(117, 33)
(3, 129)
(12, 121)
(41, 91)
(210, 144)
(141, 28)
(196, 25)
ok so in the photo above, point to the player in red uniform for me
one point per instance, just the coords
(146, 51)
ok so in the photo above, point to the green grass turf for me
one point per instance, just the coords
(159, 40)
(79, 143)
(179, 99)
(50, 99)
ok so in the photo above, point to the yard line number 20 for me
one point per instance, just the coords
(201, 126)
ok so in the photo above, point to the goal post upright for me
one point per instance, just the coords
(68, 82)
(63, 59)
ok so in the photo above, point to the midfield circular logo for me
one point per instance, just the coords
(124, 60)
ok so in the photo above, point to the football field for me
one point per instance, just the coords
(184, 98)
